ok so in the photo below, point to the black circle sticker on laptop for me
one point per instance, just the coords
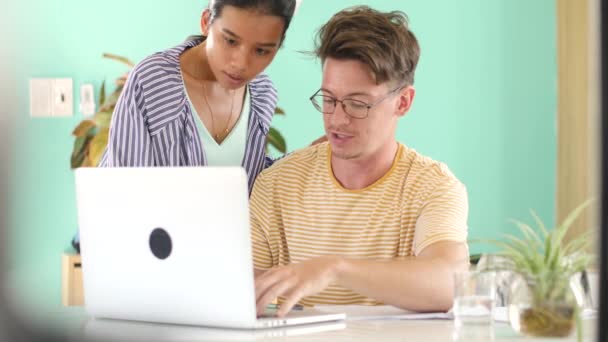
(160, 243)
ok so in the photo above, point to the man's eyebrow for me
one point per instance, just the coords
(358, 93)
(234, 35)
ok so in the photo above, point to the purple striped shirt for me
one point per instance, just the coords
(153, 124)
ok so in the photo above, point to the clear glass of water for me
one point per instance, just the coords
(474, 297)
(503, 279)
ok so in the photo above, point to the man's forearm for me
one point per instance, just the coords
(257, 272)
(413, 284)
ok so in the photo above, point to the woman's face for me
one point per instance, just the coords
(240, 44)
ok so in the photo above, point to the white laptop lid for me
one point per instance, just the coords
(203, 211)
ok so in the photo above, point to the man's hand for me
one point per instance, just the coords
(294, 282)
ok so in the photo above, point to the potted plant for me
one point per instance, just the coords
(541, 301)
(91, 135)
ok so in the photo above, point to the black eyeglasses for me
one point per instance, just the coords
(354, 108)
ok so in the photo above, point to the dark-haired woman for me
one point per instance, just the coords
(205, 101)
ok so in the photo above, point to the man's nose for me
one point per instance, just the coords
(339, 117)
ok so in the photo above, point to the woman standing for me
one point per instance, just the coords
(206, 101)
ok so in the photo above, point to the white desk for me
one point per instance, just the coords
(74, 322)
(36, 309)
(373, 331)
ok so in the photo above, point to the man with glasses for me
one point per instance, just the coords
(361, 218)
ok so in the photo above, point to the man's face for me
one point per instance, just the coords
(351, 138)
(240, 44)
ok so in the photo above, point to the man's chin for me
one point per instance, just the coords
(344, 154)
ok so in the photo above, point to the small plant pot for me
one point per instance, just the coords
(544, 308)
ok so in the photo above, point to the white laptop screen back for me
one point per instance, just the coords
(204, 214)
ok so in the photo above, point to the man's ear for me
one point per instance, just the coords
(205, 22)
(406, 98)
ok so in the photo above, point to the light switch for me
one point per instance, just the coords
(51, 97)
(63, 94)
(40, 97)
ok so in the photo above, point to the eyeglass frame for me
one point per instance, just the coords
(367, 105)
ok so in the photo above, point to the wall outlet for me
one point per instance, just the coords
(87, 100)
(51, 97)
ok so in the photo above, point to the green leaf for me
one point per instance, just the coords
(279, 111)
(580, 264)
(102, 93)
(508, 251)
(83, 128)
(528, 233)
(276, 140)
(98, 146)
(119, 59)
(103, 119)
(548, 248)
(119, 88)
(77, 153)
(556, 256)
(557, 236)
(76, 160)
(79, 144)
(581, 243)
(110, 102)
(540, 224)
(574, 214)
(525, 250)
(517, 244)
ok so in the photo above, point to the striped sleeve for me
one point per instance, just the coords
(443, 216)
(268, 161)
(129, 142)
(259, 211)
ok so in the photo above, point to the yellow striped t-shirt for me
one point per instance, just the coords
(299, 211)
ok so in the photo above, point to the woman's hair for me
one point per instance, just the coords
(283, 9)
(381, 40)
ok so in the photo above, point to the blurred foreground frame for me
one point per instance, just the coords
(12, 328)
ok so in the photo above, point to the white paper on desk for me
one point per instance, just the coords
(380, 312)
(388, 312)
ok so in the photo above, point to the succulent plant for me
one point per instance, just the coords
(546, 263)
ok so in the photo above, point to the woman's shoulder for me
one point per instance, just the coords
(262, 79)
(161, 66)
(262, 85)
(264, 99)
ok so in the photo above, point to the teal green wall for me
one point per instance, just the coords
(485, 104)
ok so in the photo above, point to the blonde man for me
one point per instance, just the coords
(361, 218)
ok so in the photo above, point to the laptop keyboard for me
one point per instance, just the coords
(269, 313)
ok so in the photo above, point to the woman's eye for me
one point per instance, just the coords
(262, 52)
(230, 41)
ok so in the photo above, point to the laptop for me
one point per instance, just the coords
(122, 330)
(171, 245)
